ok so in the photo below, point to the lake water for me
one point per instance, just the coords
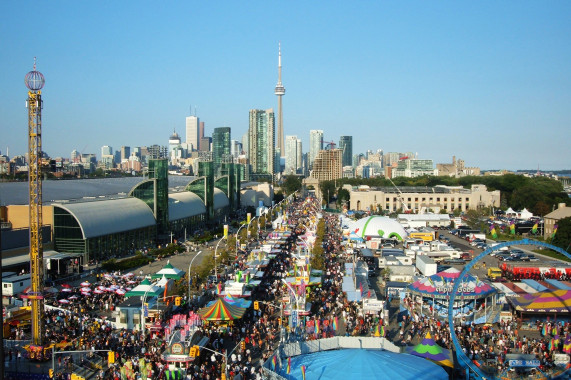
(16, 193)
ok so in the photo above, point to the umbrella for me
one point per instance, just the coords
(120, 292)
(85, 283)
(101, 287)
(66, 286)
(63, 301)
(131, 282)
(85, 290)
(66, 290)
(428, 349)
(74, 297)
(98, 291)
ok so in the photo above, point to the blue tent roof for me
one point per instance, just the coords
(362, 364)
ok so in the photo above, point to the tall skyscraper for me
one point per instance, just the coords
(200, 131)
(192, 132)
(125, 153)
(261, 140)
(245, 144)
(280, 91)
(315, 144)
(327, 165)
(220, 147)
(346, 145)
(235, 148)
(106, 150)
(293, 155)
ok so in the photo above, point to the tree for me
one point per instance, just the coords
(541, 208)
(476, 219)
(343, 196)
(562, 237)
(327, 190)
(291, 184)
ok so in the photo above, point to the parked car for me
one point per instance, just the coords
(482, 246)
(532, 258)
(466, 256)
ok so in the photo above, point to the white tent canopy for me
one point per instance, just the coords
(525, 214)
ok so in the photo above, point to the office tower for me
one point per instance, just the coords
(261, 150)
(192, 132)
(137, 151)
(235, 148)
(106, 150)
(280, 91)
(125, 153)
(327, 165)
(245, 139)
(156, 151)
(75, 156)
(346, 146)
(221, 147)
(293, 155)
(174, 147)
(200, 131)
(205, 144)
(315, 144)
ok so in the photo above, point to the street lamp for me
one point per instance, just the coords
(215, 250)
(223, 356)
(294, 296)
(190, 278)
(238, 237)
(251, 220)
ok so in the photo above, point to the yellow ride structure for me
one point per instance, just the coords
(35, 82)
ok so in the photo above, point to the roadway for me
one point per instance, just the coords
(480, 269)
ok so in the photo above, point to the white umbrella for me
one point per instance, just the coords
(120, 292)
(85, 283)
(74, 297)
(63, 301)
(67, 290)
(101, 287)
(98, 291)
(85, 290)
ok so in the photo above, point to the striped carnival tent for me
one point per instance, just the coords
(428, 349)
(221, 310)
(551, 301)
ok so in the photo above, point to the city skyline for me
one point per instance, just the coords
(487, 82)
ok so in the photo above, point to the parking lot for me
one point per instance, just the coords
(480, 269)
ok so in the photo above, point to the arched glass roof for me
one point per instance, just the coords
(184, 205)
(107, 217)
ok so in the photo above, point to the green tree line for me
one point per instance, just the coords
(540, 195)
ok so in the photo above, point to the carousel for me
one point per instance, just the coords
(431, 294)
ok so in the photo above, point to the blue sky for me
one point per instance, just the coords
(486, 81)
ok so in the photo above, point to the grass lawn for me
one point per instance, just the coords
(550, 253)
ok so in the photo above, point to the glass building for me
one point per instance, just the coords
(346, 145)
(315, 144)
(261, 140)
(221, 144)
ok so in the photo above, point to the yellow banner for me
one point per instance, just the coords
(225, 231)
(249, 218)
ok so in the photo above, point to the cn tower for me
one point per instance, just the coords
(280, 91)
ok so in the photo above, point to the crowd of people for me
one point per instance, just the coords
(239, 349)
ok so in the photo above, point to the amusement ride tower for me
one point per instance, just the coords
(280, 91)
(35, 82)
